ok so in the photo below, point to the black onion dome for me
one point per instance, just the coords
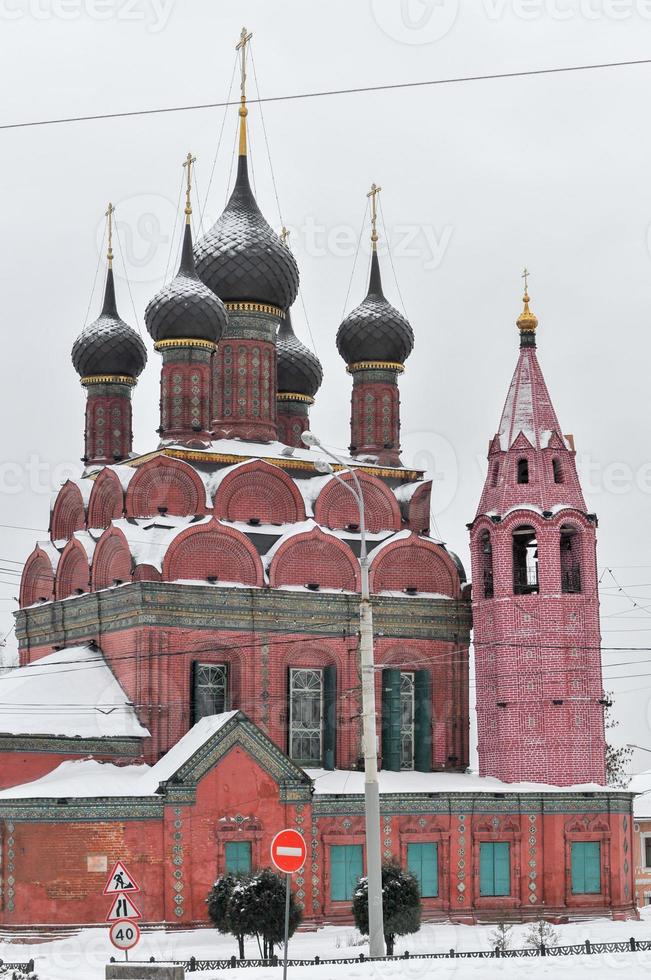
(109, 345)
(241, 258)
(375, 330)
(185, 307)
(299, 370)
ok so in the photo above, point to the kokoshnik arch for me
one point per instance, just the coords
(189, 678)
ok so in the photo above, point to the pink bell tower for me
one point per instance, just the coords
(535, 597)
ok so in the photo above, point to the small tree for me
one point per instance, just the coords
(400, 904)
(219, 908)
(257, 908)
(500, 938)
(541, 934)
(618, 758)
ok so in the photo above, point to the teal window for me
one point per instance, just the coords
(238, 856)
(345, 870)
(586, 867)
(494, 868)
(423, 862)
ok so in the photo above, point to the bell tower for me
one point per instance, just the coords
(535, 596)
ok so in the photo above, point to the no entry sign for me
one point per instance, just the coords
(124, 934)
(288, 851)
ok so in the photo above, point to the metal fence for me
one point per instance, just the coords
(6, 968)
(632, 945)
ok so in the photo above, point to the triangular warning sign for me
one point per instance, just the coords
(120, 880)
(123, 908)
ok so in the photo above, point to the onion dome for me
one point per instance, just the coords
(527, 321)
(109, 346)
(375, 330)
(185, 307)
(241, 258)
(299, 370)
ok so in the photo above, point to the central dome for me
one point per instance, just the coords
(241, 258)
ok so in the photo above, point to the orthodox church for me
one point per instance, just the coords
(189, 679)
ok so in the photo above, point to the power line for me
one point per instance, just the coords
(327, 93)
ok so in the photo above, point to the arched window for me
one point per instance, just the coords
(570, 545)
(525, 560)
(487, 564)
(558, 471)
(523, 471)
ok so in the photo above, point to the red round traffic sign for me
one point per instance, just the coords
(124, 934)
(288, 851)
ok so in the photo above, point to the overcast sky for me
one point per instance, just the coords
(478, 180)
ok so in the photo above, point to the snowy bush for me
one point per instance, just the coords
(6, 973)
(400, 904)
(541, 934)
(499, 938)
(253, 905)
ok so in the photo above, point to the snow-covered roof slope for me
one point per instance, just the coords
(528, 409)
(191, 742)
(344, 782)
(72, 693)
(150, 537)
(83, 778)
(641, 784)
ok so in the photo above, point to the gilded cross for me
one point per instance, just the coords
(245, 37)
(109, 215)
(284, 236)
(373, 193)
(525, 276)
(189, 160)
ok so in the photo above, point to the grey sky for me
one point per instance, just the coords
(478, 180)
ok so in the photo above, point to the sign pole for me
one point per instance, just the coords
(287, 894)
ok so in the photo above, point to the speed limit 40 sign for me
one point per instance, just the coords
(124, 934)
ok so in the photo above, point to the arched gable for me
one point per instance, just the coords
(146, 573)
(106, 499)
(418, 511)
(414, 563)
(168, 485)
(37, 581)
(336, 507)
(68, 514)
(112, 561)
(260, 491)
(314, 557)
(212, 551)
(73, 572)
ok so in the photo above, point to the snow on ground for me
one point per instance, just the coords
(83, 956)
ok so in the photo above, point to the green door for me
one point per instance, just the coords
(345, 870)
(423, 862)
(238, 857)
(586, 867)
(494, 868)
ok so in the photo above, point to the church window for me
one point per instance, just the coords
(557, 467)
(525, 561)
(647, 852)
(238, 857)
(586, 867)
(209, 690)
(345, 871)
(423, 863)
(305, 715)
(406, 721)
(523, 471)
(487, 564)
(494, 868)
(570, 548)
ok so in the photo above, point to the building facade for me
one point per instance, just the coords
(189, 679)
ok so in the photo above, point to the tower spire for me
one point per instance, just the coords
(241, 46)
(527, 321)
(373, 194)
(189, 161)
(109, 217)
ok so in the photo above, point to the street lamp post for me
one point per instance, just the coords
(369, 728)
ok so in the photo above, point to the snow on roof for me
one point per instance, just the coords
(293, 530)
(310, 489)
(528, 408)
(71, 693)
(641, 783)
(80, 778)
(87, 541)
(345, 782)
(407, 490)
(216, 477)
(150, 537)
(51, 551)
(191, 742)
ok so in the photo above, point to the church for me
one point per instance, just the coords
(189, 679)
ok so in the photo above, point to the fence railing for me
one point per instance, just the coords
(632, 945)
(5, 968)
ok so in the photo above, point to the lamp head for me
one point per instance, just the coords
(309, 439)
(323, 466)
